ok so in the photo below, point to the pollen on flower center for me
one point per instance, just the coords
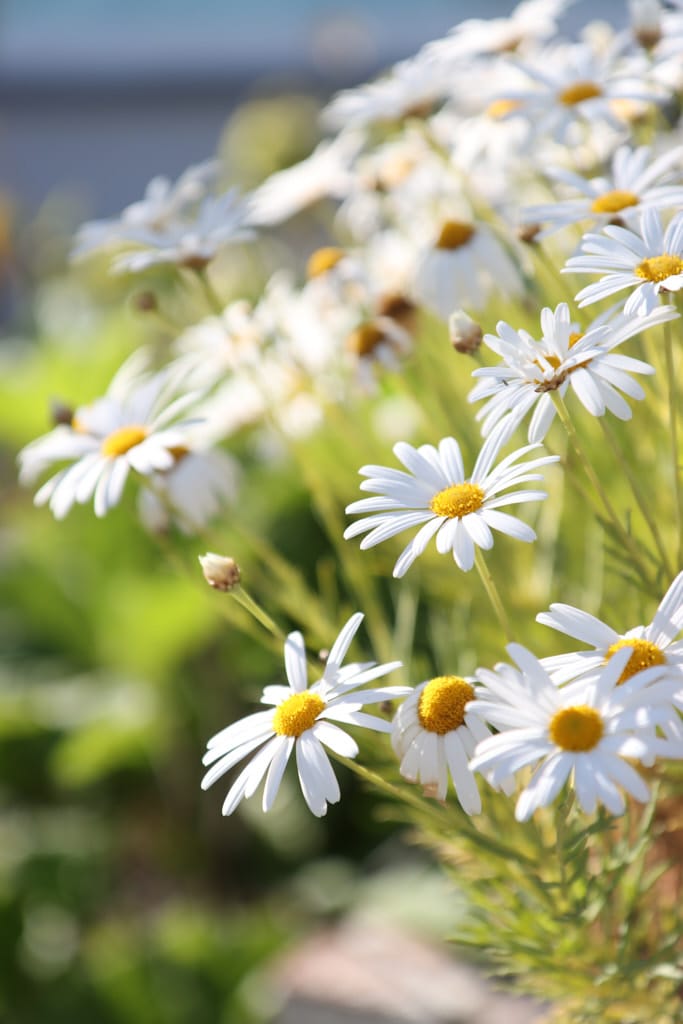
(501, 108)
(645, 655)
(457, 501)
(364, 339)
(658, 268)
(454, 234)
(574, 337)
(614, 201)
(441, 707)
(322, 260)
(122, 440)
(578, 728)
(578, 92)
(297, 714)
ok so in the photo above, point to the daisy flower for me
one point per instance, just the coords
(436, 496)
(650, 262)
(533, 370)
(326, 172)
(582, 733)
(301, 718)
(190, 242)
(578, 83)
(163, 202)
(651, 645)
(434, 734)
(410, 88)
(636, 183)
(191, 492)
(463, 266)
(135, 426)
(529, 21)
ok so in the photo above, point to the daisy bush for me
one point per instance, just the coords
(487, 333)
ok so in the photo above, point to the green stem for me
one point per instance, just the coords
(641, 499)
(492, 592)
(673, 433)
(626, 538)
(212, 297)
(247, 602)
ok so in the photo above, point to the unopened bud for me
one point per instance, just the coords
(528, 233)
(465, 333)
(220, 572)
(646, 22)
(61, 414)
(145, 302)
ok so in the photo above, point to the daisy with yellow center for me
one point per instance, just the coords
(136, 426)
(562, 358)
(648, 262)
(435, 495)
(434, 735)
(651, 646)
(301, 718)
(635, 181)
(583, 734)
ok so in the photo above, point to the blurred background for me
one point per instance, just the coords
(125, 898)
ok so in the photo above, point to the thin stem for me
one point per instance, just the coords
(641, 499)
(212, 297)
(626, 538)
(247, 602)
(492, 591)
(673, 432)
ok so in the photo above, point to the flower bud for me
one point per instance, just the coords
(465, 333)
(220, 572)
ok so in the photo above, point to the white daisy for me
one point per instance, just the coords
(325, 173)
(581, 733)
(636, 182)
(188, 242)
(163, 202)
(529, 21)
(436, 496)
(301, 718)
(533, 370)
(580, 83)
(463, 266)
(411, 87)
(651, 645)
(191, 492)
(650, 262)
(135, 426)
(434, 734)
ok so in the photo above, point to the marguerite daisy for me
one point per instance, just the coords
(582, 732)
(136, 426)
(650, 262)
(651, 645)
(636, 182)
(434, 734)
(436, 496)
(301, 718)
(532, 371)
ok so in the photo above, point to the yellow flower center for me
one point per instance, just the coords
(322, 260)
(658, 268)
(645, 655)
(397, 307)
(122, 440)
(441, 707)
(297, 714)
(501, 108)
(365, 339)
(578, 92)
(454, 234)
(614, 201)
(457, 501)
(577, 729)
(574, 337)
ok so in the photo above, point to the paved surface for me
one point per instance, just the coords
(369, 973)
